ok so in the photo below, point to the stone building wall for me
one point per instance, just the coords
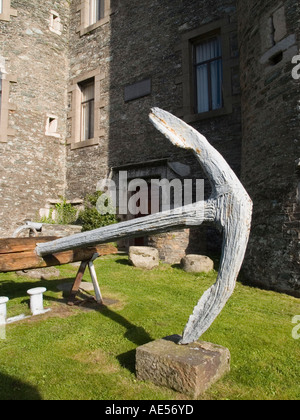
(146, 43)
(139, 56)
(269, 37)
(89, 53)
(140, 52)
(34, 60)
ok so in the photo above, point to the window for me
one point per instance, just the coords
(209, 67)
(5, 106)
(277, 46)
(87, 110)
(55, 25)
(51, 126)
(96, 11)
(6, 11)
(208, 74)
(86, 105)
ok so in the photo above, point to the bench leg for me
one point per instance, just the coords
(78, 279)
(95, 282)
(77, 282)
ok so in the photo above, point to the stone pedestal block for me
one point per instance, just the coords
(143, 257)
(197, 263)
(190, 369)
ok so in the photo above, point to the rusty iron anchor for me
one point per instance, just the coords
(229, 207)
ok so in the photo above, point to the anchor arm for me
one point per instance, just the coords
(233, 216)
(235, 238)
(178, 218)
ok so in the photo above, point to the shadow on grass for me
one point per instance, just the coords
(135, 334)
(13, 289)
(123, 261)
(14, 389)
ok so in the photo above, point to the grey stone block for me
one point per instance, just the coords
(197, 263)
(143, 257)
(190, 369)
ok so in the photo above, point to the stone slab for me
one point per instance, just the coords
(193, 263)
(137, 90)
(143, 257)
(46, 273)
(190, 369)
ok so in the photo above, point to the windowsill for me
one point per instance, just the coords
(85, 143)
(56, 135)
(55, 31)
(90, 28)
(5, 17)
(7, 13)
(190, 118)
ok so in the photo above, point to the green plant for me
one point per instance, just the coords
(90, 218)
(47, 219)
(65, 213)
(62, 214)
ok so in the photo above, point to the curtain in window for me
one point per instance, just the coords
(87, 110)
(96, 10)
(208, 62)
(1, 6)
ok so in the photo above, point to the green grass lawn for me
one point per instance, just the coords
(89, 353)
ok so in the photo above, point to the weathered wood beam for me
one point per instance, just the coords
(19, 254)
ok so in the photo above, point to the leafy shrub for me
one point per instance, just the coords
(62, 214)
(90, 218)
(66, 214)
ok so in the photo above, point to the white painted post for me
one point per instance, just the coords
(3, 310)
(36, 300)
(95, 282)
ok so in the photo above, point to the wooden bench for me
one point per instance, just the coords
(19, 254)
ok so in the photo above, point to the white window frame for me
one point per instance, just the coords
(55, 24)
(85, 25)
(52, 126)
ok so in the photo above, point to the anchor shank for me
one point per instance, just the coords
(179, 218)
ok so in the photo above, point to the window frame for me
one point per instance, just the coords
(89, 125)
(208, 63)
(51, 121)
(75, 113)
(188, 111)
(55, 24)
(6, 106)
(97, 13)
(85, 25)
(7, 11)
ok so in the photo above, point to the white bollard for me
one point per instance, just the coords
(36, 300)
(3, 310)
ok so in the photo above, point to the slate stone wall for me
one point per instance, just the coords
(271, 143)
(32, 165)
(140, 55)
